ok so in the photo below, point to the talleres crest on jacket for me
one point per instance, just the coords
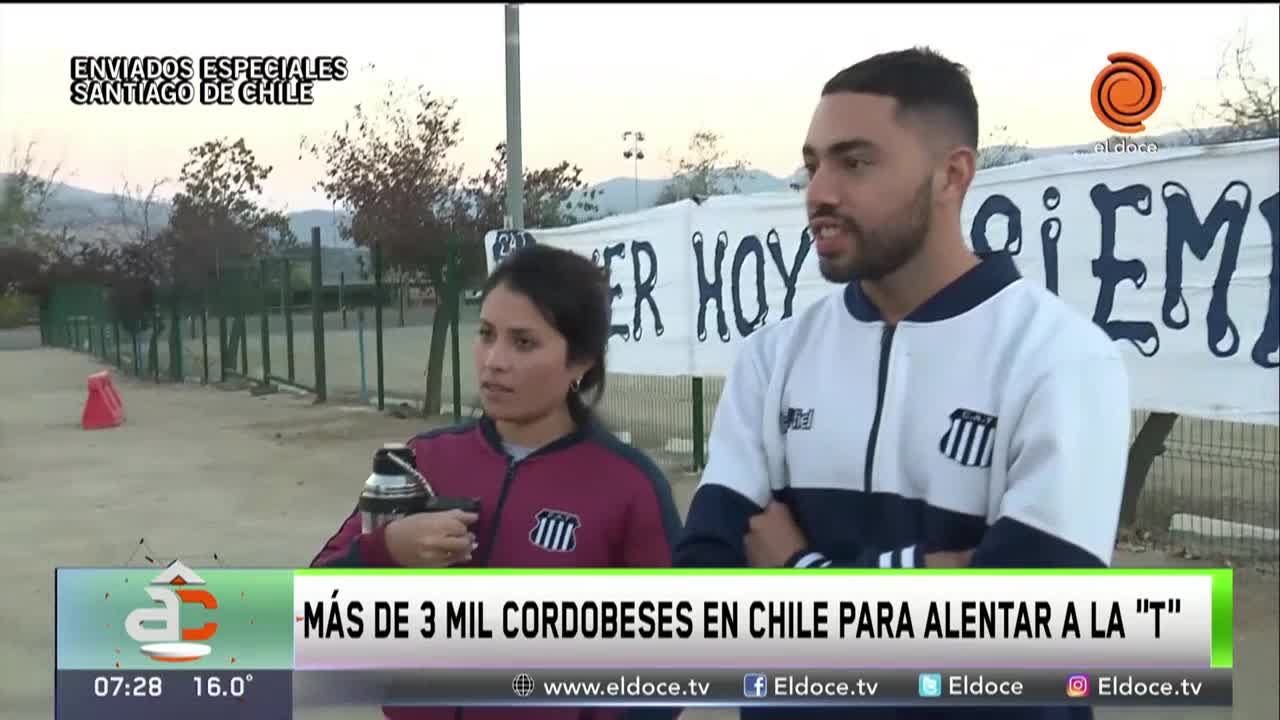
(970, 439)
(555, 530)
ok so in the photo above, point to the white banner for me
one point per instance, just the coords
(1175, 254)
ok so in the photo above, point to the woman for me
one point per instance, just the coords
(556, 489)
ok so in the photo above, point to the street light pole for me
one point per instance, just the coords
(515, 166)
(635, 154)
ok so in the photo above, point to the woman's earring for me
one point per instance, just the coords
(575, 385)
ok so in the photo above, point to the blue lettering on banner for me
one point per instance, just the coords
(1266, 352)
(506, 242)
(617, 250)
(644, 288)
(789, 277)
(1232, 209)
(997, 205)
(750, 245)
(643, 285)
(709, 290)
(1050, 232)
(1111, 271)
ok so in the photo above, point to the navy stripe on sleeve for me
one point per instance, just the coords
(657, 480)
(1014, 544)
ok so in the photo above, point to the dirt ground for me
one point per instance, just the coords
(265, 480)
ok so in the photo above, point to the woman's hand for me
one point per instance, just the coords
(432, 540)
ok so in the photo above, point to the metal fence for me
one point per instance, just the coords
(310, 321)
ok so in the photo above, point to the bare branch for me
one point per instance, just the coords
(705, 171)
(1001, 149)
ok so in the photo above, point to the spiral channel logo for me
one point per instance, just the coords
(1126, 92)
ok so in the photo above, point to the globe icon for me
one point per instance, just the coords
(522, 685)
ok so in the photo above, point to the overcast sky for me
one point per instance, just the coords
(751, 72)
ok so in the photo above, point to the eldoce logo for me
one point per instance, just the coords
(1126, 92)
(162, 643)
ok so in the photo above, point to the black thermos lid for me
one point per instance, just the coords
(384, 465)
(445, 504)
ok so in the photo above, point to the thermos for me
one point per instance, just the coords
(396, 489)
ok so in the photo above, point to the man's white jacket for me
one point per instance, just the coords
(994, 417)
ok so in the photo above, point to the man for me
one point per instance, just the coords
(938, 410)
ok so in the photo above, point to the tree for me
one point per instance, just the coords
(1248, 105)
(137, 208)
(217, 225)
(1254, 111)
(553, 197)
(24, 201)
(19, 269)
(548, 195)
(217, 217)
(390, 170)
(1001, 149)
(150, 254)
(705, 171)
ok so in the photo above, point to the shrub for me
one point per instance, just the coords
(18, 310)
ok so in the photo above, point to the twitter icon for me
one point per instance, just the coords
(930, 685)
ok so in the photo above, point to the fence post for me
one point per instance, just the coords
(115, 336)
(222, 329)
(243, 320)
(286, 302)
(204, 335)
(377, 320)
(455, 316)
(154, 352)
(176, 371)
(699, 452)
(400, 294)
(342, 297)
(263, 271)
(317, 313)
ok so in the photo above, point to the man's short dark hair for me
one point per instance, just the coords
(922, 81)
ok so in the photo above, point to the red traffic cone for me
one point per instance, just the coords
(104, 408)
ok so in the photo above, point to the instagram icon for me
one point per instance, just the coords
(1078, 686)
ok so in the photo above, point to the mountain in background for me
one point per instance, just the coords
(89, 215)
(618, 195)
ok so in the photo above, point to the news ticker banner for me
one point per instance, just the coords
(153, 641)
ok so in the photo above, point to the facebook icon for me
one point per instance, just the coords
(755, 685)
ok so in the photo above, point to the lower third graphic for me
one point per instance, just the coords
(755, 685)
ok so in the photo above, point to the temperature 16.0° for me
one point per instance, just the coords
(215, 687)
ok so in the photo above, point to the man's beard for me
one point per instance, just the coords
(881, 252)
